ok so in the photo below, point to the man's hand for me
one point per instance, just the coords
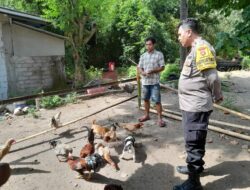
(219, 100)
(145, 73)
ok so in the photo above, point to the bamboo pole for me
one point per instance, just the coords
(242, 115)
(74, 121)
(138, 78)
(210, 127)
(138, 86)
(215, 122)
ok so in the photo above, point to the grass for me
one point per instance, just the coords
(229, 102)
(33, 112)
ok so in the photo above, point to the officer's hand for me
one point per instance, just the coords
(219, 100)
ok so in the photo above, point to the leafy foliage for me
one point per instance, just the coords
(170, 69)
(132, 70)
(51, 101)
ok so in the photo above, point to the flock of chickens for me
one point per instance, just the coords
(92, 156)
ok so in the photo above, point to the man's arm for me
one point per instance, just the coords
(157, 70)
(214, 84)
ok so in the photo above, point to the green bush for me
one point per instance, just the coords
(52, 101)
(170, 69)
(132, 71)
(33, 112)
(122, 71)
(71, 98)
(93, 73)
(246, 63)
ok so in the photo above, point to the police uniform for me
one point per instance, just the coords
(199, 87)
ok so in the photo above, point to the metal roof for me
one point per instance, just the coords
(19, 14)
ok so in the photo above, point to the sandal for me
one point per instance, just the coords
(161, 123)
(144, 118)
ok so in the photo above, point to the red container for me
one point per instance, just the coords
(111, 66)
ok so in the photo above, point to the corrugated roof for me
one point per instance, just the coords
(19, 14)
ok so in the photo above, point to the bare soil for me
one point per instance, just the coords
(159, 150)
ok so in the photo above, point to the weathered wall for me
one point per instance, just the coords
(3, 70)
(34, 61)
(27, 42)
(37, 73)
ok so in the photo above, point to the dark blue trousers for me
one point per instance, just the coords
(195, 132)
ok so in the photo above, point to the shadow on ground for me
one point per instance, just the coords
(233, 174)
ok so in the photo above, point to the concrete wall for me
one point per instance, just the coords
(37, 73)
(3, 70)
(27, 42)
(34, 61)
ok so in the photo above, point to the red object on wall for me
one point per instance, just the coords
(96, 90)
(111, 66)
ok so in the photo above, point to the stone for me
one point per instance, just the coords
(245, 146)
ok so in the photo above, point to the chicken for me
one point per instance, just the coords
(105, 153)
(131, 127)
(5, 172)
(62, 150)
(98, 129)
(113, 187)
(129, 88)
(89, 148)
(6, 148)
(80, 165)
(110, 135)
(55, 121)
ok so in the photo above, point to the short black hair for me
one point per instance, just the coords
(152, 39)
(190, 23)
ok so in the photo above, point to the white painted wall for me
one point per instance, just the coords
(3, 71)
(27, 42)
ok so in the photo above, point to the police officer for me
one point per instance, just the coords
(199, 88)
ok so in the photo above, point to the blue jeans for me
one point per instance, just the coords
(152, 92)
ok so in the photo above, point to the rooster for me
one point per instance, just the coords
(131, 127)
(6, 148)
(81, 165)
(62, 150)
(5, 172)
(105, 153)
(89, 148)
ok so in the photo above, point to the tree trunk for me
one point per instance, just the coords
(183, 15)
(79, 69)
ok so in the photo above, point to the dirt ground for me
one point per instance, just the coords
(159, 150)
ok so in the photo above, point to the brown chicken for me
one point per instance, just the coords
(80, 166)
(110, 135)
(131, 127)
(6, 148)
(105, 153)
(98, 129)
(89, 148)
(5, 172)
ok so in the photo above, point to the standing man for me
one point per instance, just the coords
(199, 87)
(150, 65)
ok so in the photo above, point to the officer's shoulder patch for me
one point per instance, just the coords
(204, 57)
